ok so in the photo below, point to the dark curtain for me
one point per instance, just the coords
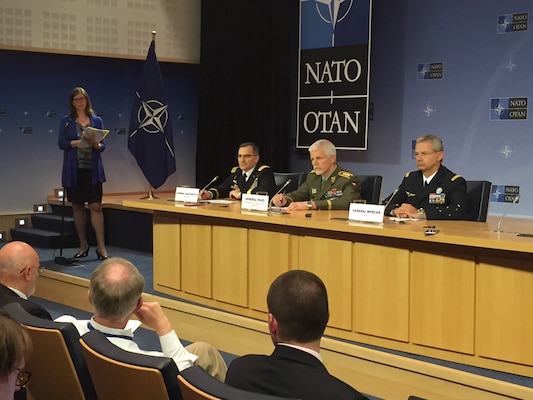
(248, 67)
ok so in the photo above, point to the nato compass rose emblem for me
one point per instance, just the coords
(332, 12)
(152, 116)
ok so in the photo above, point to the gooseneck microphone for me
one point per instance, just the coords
(498, 229)
(210, 182)
(279, 191)
(390, 198)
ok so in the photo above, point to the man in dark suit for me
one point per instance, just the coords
(431, 192)
(248, 177)
(19, 271)
(298, 314)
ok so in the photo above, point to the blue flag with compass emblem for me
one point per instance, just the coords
(150, 134)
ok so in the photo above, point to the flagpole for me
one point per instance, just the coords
(150, 115)
(150, 195)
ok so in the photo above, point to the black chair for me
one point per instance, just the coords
(56, 362)
(478, 193)
(371, 188)
(296, 178)
(121, 374)
(196, 384)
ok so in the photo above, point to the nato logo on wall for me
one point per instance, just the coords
(334, 65)
(508, 108)
(517, 22)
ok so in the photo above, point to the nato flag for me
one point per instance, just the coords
(150, 134)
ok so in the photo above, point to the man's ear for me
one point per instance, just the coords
(139, 304)
(272, 324)
(89, 297)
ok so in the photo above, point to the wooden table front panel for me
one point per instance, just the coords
(381, 291)
(442, 301)
(269, 257)
(196, 258)
(167, 251)
(230, 265)
(505, 309)
(331, 260)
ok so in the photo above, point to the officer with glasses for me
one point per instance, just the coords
(432, 192)
(250, 176)
(19, 271)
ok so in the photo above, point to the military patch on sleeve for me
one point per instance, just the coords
(262, 167)
(345, 174)
(455, 177)
(234, 169)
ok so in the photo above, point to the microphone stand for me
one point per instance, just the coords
(278, 192)
(505, 213)
(390, 199)
(60, 260)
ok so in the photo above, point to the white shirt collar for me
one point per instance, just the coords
(249, 172)
(428, 180)
(307, 350)
(112, 331)
(20, 294)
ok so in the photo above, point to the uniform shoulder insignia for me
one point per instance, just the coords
(455, 177)
(407, 174)
(345, 174)
(312, 171)
(234, 169)
(262, 167)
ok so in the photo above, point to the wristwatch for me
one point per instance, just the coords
(309, 205)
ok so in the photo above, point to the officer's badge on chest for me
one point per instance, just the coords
(439, 197)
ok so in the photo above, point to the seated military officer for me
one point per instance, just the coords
(248, 177)
(327, 187)
(431, 192)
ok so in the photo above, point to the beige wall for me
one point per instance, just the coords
(116, 28)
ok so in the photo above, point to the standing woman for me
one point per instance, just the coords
(83, 170)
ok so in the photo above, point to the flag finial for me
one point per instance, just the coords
(153, 35)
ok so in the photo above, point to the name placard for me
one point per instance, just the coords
(257, 202)
(366, 212)
(187, 195)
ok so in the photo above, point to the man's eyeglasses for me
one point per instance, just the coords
(245, 156)
(424, 154)
(40, 269)
(22, 377)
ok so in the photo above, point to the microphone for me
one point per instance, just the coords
(505, 212)
(390, 198)
(279, 191)
(210, 182)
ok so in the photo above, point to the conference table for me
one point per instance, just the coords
(464, 294)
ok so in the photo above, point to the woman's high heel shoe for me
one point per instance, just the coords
(84, 254)
(101, 256)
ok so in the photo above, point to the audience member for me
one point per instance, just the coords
(19, 271)
(248, 177)
(15, 349)
(298, 313)
(431, 192)
(327, 187)
(115, 293)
